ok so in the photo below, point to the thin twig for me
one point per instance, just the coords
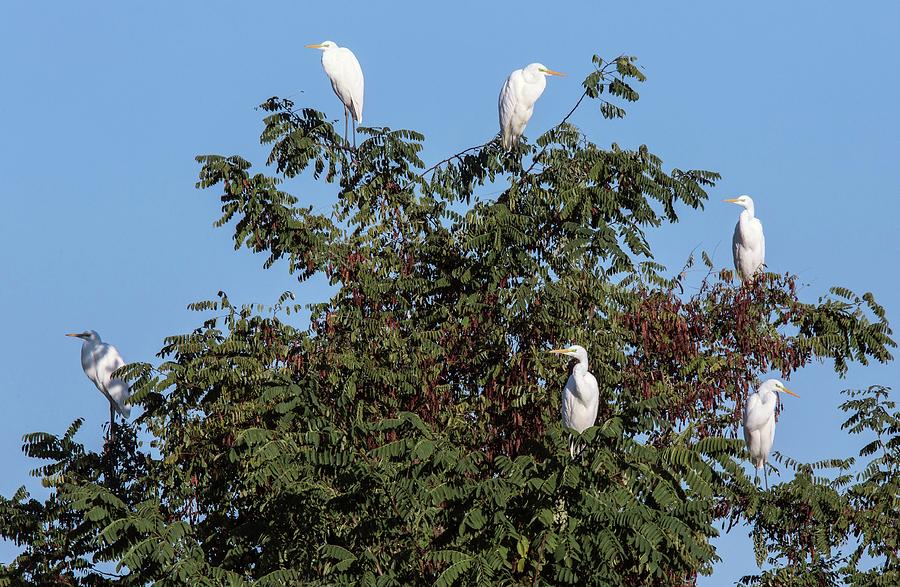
(452, 157)
(603, 72)
(574, 108)
(105, 573)
(534, 159)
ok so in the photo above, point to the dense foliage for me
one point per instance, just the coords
(408, 432)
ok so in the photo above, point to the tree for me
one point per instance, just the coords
(410, 434)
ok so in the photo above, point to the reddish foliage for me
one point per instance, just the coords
(709, 348)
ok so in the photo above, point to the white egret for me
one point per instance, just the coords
(99, 360)
(759, 423)
(346, 77)
(581, 396)
(522, 89)
(748, 243)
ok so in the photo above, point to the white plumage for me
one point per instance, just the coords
(345, 73)
(759, 422)
(581, 395)
(99, 360)
(517, 97)
(748, 243)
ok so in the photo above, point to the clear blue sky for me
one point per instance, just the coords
(104, 106)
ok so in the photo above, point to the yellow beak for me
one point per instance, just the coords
(551, 72)
(789, 392)
(317, 46)
(559, 351)
(730, 200)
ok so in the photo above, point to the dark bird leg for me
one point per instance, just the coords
(766, 477)
(354, 134)
(345, 124)
(112, 423)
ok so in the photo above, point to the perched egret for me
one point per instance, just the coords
(522, 89)
(346, 77)
(99, 360)
(759, 422)
(748, 243)
(581, 396)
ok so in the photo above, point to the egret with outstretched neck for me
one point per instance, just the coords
(759, 423)
(748, 243)
(581, 395)
(99, 360)
(342, 68)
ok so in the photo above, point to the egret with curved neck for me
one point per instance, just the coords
(580, 396)
(748, 243)
(521, 90)
(99, 360)
(759, 423)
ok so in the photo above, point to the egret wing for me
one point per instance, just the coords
(736, 246)
(119, 391)
(759, 245)
(749, 246)
(755, 413)
(346, 78)
(766, 439)
(568, 403)
(353, 74)
(593, 403)
(507, 108)
(115, 389)
(580, 402)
